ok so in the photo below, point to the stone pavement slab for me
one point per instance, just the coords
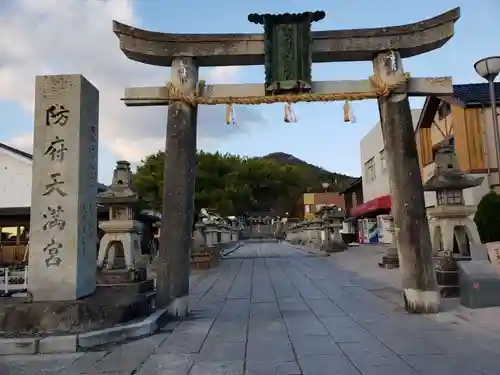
(270, 309)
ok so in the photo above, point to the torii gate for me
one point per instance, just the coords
(287, 49)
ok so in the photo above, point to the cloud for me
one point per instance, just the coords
(23, 142)
(41, 37)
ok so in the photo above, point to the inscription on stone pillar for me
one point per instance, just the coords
(62, 256)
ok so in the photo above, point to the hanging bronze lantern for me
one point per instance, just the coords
(287, 49)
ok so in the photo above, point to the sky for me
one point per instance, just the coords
(41, 37)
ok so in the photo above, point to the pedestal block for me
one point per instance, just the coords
(479, 284)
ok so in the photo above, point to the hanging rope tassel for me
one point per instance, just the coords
(230, 115)
(347, 111)
(289, 114)
(351, 114)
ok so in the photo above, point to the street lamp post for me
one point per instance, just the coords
(489, 68)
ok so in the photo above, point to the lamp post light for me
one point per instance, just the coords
(489, 68)
(325, 185)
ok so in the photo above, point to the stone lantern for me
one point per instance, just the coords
(279, 229)
(333, 218)
(451, 228)
(390, 259)
(122, 231)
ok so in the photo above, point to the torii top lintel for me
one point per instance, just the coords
(156, 48)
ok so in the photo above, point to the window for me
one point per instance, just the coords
(450, 197)
(441, 195)
(444, 110)
(383, 161)
(370, 170)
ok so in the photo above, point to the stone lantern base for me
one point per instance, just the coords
(391, 258)
(447, 274)
(333, 241)
(121, 236)
(334, 247)
(389, 262)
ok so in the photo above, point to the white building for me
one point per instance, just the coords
(464, 119)
(374, 163)
(15, 177)
(376, 189)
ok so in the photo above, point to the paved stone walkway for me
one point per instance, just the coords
(271, 309)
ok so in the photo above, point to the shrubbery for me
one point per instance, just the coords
(487, 217)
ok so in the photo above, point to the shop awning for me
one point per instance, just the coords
(379, 204)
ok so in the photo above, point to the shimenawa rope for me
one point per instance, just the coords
(175, 94)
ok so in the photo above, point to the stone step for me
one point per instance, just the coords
(140, 287)
(449, 291)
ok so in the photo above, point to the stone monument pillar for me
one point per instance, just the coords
(121, 231)
(63, 229)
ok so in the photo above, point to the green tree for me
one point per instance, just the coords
(487, 217)
(229, 184)
(148, 181)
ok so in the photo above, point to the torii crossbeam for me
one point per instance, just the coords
(161, 49)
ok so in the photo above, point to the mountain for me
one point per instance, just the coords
(313, 173)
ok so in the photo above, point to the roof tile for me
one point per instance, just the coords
(475, 93)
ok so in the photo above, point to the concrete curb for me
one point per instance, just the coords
(310, 250)
(232, 250)
(72, 343)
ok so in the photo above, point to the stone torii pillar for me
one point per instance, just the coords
(178, 193)
(410, 218)
(287, 49)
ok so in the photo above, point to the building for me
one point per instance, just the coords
(353, 197)
(353, 194)
(465, 119)
(373, 164)
(312, 202)
(376, 190)
(369, 216)
(15, 181)
(15, 204)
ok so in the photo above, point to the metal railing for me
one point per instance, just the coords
(13, 281)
